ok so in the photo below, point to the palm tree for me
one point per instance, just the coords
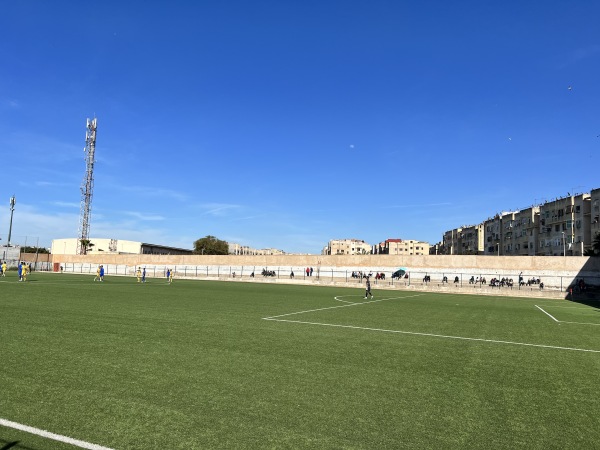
(594, 250)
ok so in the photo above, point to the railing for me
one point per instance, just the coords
(381, 276)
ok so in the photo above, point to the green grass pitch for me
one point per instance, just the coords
(206, 364)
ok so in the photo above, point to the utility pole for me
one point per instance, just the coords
(13, 201)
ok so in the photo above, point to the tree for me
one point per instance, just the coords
(28, 249)
(86, 245)
(210, 245)
(595, 248)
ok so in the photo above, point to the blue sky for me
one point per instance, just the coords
(289, 123)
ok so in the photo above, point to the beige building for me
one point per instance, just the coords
(565, 226)
(523, 233)
(347, 247)
(114, 246)
(594, 216)
(470, 240)
(403, 247)
(450, 242)
(492, 232)
(237, 249)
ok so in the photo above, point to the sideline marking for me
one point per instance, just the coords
(548, 314)
(581, 323)
(564, 321)
(53, 436)
(339, 306)
(414, 333)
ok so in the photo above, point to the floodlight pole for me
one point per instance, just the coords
(13, 201)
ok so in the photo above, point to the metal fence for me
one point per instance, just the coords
(382, 276)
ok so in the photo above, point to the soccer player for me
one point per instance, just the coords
(168, 275)
(368, 289)
(171, 276)
(101, 272)
(24, 272)
(97, 277)
(144, 275)
(138, 274)
(4, 269)
(20, 271)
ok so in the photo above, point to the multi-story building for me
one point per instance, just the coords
(115, 246)
(492, 232)
(507, 225)
(270, 251)
(594, 215)
(470, 240)
(450, 242)
(403, 247)
(563, 226)
(237, 249)
(348, 247)
(525, 231)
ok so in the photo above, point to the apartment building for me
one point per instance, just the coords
(237, 249)
(450, 242)
(470, 240)
(347, 247)
(565, 226)
(403, 247)
(492, 233)
(523, 233)
(594, 216)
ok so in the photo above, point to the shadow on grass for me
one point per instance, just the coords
(585, 288)
(14, 445)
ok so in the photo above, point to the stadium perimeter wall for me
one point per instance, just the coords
(434, 263)
(557, 273)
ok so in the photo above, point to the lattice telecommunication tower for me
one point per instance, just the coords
(87, 187)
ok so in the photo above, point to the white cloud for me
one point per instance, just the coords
(66, 204)
(218, 209)
(146, 217)
(151, 192)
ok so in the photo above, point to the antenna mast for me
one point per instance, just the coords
(87, 187)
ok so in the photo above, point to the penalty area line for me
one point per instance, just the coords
(442, 336)
(548, 314)
(340, 306)
(53, 436)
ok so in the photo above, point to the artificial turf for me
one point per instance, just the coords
(199, 364)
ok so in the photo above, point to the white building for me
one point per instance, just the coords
(115, 246)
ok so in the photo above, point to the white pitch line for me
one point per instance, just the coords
(53, 436)
(567, 307)
(493, 341)
(339, 299)
(340, 306)
(581, 323)
(548, 314)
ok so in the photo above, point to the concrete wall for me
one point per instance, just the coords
(456, 263)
